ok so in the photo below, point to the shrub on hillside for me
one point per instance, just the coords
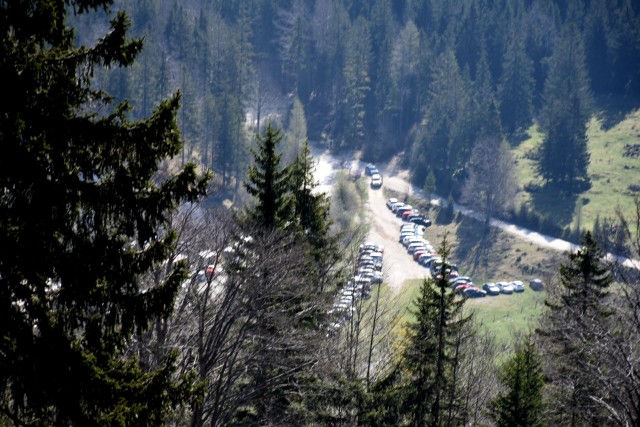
(345, 202)
(526, 217)
(446, 213)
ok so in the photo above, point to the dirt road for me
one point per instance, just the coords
(385, 226)
(399, 265)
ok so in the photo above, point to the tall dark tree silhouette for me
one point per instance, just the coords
(521, 403)
(449, 138)
(82, 210)
(268, 182)
(564, 156)
(311, 208)
(577, 316)
(430, 357)
(515, 89)
(357, 78)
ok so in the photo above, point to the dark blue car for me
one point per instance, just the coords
(421, 220)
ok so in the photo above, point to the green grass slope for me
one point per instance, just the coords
(614, 172)
(489, 256)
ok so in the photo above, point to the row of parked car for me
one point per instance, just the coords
(408, 213)
(368, 272)
(376, 179)
(412, 238)
(465, 286)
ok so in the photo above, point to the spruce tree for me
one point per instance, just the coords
(311, 208)
(515, 90)
(485, 97)
(429, 358)
(356, 74)
(586, 279)
(578, 313)
(269, 183)
(81, 214)
(564, 157)
(287, 219)
(520, 404)
(450, 136)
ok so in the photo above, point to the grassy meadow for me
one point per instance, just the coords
(615, 177)
(501, 316)
(494, 255)
(490, 256)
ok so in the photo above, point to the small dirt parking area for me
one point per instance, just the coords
(399, 265)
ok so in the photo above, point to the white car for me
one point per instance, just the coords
(408, 227)
(410, 238)
(428, 261)
(505, 287)
(424, 257)
(371, 246)
(376, 256)
(518, 286)
(412, 247)
(406, 234)
(396, 205)
(413, 239)
(460, 279)
(376, 181)
(391, 201)
(404, 206)
(491, 288)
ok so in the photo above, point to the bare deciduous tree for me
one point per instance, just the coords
(477, 376)
(490, 186)
(615, 364)
(245, 321)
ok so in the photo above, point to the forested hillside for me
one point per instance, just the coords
(427, 78)
(125, 301)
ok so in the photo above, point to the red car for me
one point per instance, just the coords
(407, 213)
(417, 253)
(459, 288)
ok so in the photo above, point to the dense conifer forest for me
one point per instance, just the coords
(125, 301)
(427, 78)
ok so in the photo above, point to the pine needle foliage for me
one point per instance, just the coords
(311, 207)
(577, 319)
(430, 356)
(268, 183)
(520, 404)
(81, 213)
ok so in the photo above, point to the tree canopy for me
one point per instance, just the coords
(422, 78)
(269, 182)
(521, 403)
(82, 212)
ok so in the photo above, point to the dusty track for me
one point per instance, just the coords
(399, 266)
(397, 180)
